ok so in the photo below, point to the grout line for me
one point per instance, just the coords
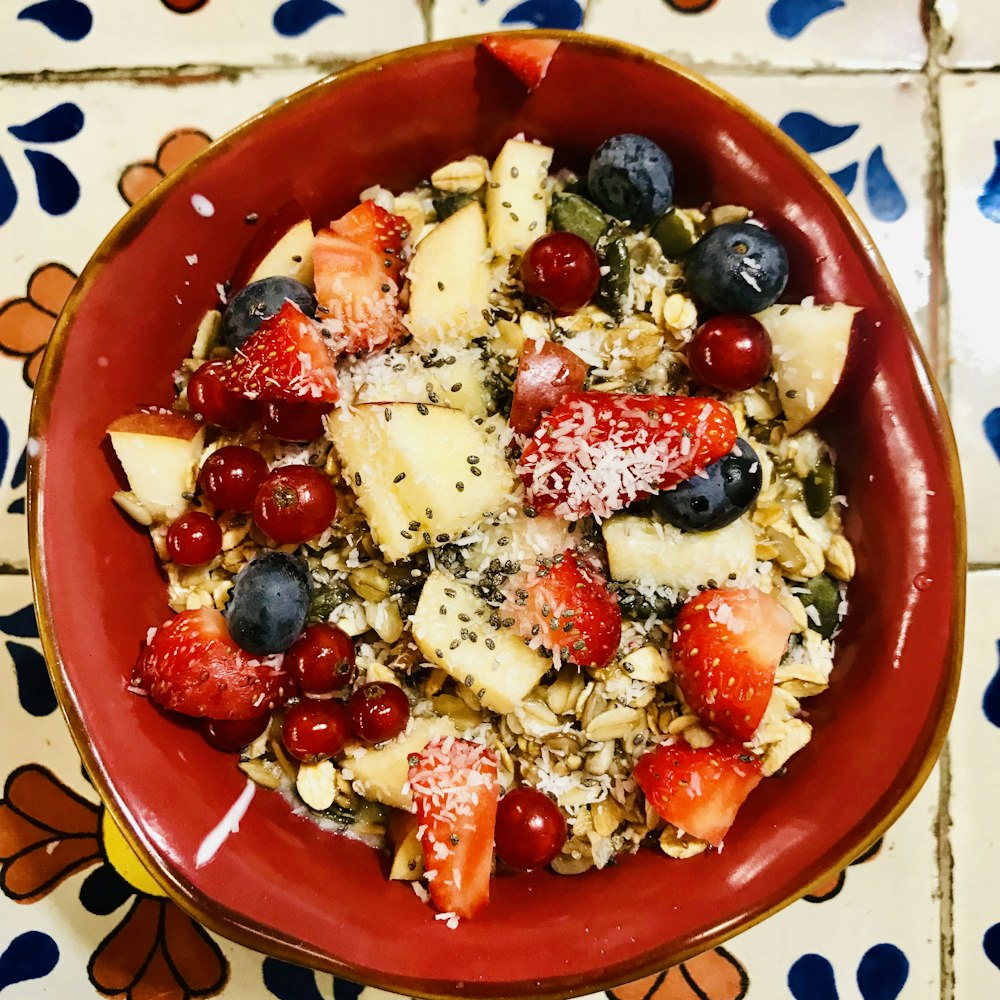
(983, 567)
(938, 43)
(9, 569)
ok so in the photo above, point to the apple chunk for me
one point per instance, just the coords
(422, 474)
(158, 450)
(451, 280)
(282, 246)
(810, 348)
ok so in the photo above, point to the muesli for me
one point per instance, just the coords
(492, 520)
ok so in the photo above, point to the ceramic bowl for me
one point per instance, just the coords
(281, 885)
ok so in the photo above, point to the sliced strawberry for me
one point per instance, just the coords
(545, 374)
(370, 225)
(192, 665)
(698, 790)
(455, 789)
(564, 604)
(726, 647)
(527, 58)
(287, 359)
(596, 452)
(358, 273)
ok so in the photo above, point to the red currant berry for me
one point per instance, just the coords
(313, 729)
(321, 659)
(530, 830)
(378, 711)
(730, 352)
(194, 539)
(230, 735)
(563, 269)
(231, 477)
(295, 421)
(215, 403)
(295, 503)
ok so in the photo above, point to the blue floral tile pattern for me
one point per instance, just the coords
(69, 20)
(773, 34)
(31, 955)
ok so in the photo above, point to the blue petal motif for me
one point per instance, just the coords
(989, 200)
(991, 700)
(296, 17)
(290, 982)
(344, 989)
(71, 20)
(885, 199)
(546, 14)
(789, 18)
(34, 688)
(883, 972)
(22, 624)
(811, 978)
(17, 506)
(991, 427)
(8, 193)
(104, 890)
(991, 944)
(57, 125)
(31, 955)
(812, 133)
(846, 178)
(20, 470)
(58, 189)
(4, 447)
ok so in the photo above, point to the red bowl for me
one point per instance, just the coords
(280, 884)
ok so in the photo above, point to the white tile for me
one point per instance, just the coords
(122, 124)
(975, 794)
(780, 33)
(463, 17)
(888, 907)
(972, 246)
(973, 28)
(265, 32)
(887, 113)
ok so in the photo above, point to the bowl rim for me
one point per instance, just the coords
(253, 935)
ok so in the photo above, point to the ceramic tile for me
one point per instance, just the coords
(877, 924)
(972, 240)
(975, 801)
(869, 133)
(972, 29)
(75, 167)
(463, 17)
(84, 34)
(776, 33)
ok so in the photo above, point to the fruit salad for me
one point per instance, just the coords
(492, 520)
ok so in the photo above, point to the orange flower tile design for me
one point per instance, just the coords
(47, 833)
(26, 323)
(184, 6)
(138, 179)
(691, 6)
(832, 886)
(713, 975)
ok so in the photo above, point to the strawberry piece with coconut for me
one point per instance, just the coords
(192, 665)
(286, 360)
(565, 605)
(701, 789)
(726, 647)
(358, 263)
(455, 790)
(597, 452)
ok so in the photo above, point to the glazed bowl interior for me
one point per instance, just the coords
(280, 884)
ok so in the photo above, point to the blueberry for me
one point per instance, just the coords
(269, 603)
(705, 503)
(631, 178)
(737, 268)
(258, 301)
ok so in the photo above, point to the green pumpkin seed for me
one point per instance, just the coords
(572, 213)
(820, 487)
(449, 203)
(675, 233)
(613, 290)
(823, 594)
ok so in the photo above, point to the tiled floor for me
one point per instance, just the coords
(97, 99)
